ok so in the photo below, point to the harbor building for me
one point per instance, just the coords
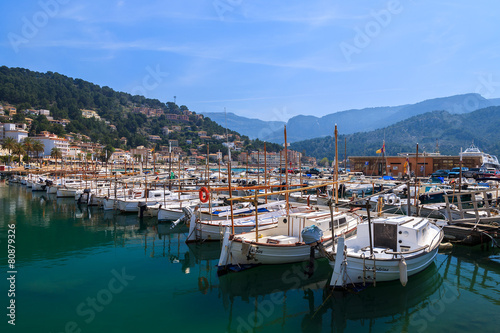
(421, 166)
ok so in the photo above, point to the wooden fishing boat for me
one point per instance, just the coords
(283, 242)
(385, 249)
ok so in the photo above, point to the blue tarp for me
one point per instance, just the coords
(387, 178)
(311, 234)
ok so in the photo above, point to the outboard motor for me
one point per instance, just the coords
(188, 213)
(79, 201)
(312, 236)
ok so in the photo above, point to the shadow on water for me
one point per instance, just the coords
(278, 298)
(322, 308)
(389, 300)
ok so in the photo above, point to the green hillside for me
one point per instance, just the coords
(65, 97)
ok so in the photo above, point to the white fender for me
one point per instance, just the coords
(403, 272)
(224, 254)
(337, 279)
(192, 228)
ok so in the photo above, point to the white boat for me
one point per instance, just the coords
(68, 188)
(130, 204)
(214, 230)
(239, 210)
(39, 185)
(173, 210)
(487, 160)
(66, 192)
(283, 242)
(401, 247)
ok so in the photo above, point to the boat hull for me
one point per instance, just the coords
(168, 214)
(66, 192)
(361, 271)
(261, 254)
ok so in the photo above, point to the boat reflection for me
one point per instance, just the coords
(285, 286)
(267, 279)
(389, 300)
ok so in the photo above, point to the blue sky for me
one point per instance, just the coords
(261, 59)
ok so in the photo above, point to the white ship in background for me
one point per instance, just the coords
(487, 160)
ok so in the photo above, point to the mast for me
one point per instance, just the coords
(229, 176)
(265, 169)
(460, 181)
(383, 157)
(336, 186)
(286, 177)
(345, 154)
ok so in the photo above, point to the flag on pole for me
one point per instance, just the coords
(407, 166)
(381, 150)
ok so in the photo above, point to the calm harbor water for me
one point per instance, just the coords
(79, 268)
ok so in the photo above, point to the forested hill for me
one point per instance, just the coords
(65, 97)
(449, 131)
(303, 127)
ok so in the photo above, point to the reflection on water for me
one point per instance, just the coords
(74, 245)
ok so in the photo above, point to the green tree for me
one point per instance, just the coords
(38, 147)
(28, 146)
(56, 153)
(9, 144)
(324, 162)
(18, 150)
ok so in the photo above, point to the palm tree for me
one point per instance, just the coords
(38, 147)
(18, 150)
(28, 146)
(9, 144)
(56, 153)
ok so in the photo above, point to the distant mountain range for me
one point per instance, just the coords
(304, 127)
(255, 128)
(437, 130)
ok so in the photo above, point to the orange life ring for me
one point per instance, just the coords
(204, 194)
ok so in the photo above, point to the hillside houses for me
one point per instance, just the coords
(90, 114)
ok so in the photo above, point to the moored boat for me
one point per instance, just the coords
(385, 249)
(284, 242)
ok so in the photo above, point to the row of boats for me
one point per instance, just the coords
(259, 225)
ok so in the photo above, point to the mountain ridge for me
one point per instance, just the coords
(302, 127)
(448, 131)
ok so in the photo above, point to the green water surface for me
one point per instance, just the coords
(80, 269)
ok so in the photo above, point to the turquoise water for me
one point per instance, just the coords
(80, 269)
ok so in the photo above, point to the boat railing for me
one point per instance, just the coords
(440, 233)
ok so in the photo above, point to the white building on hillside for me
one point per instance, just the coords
(50, 141)
(90, 114)
(11, 131)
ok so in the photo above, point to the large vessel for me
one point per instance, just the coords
(488, 161)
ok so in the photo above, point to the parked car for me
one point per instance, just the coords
(31, 167)
(440, 173)
(488, 173)
(314, 171)
(471, 173)
(455, 172)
